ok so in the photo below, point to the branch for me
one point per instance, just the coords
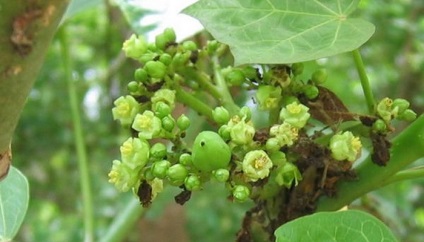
(26, 30)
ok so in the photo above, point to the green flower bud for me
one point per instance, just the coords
(408, 115)
(401, 105)
(148, 174)
(162, 109)
(379, 126)
(133, 87)
(168, 123)
(385, 109)
(212, 46)
(221, 175)
(134, 47)
(220, 115)
(186, 159)
(135, 153)
(123, 177)
(345, 146)
(165, 58)
(287, 175)
(147, 124)
(155, 69)
(278, 158)
(169, 34)
(161, 41)
(210, 152)
(181, 59)
(310, 91)
(268, 97)
(147, 57)
(177, 174)
(235, 77)
(160, 168)
(256, 165)
(158, 151)
(245, 113)
(225, 132)
(295, 114)
(140, 75)
(183, 122)
(297, 68)
(241, 193)
(285, 133)
(164, 95)
(272, 144)
(319, 76)
(242, 132)
(250, 72)
(189, 45)
(125, 110)
(192, 183)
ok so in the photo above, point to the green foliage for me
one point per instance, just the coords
(301, 31)
(342, 226)
(14, 199)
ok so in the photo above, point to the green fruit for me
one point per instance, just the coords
(210, 152)
(319, 76)
(183, 122)
(297, 68)
(155, 69)
(177, 174)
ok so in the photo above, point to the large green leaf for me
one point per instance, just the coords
(14, 197)
(343, 226)
(283, 31)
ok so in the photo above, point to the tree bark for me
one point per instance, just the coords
(26, 30)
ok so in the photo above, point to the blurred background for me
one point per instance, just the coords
(44, 147)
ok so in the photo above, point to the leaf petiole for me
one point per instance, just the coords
(366, 87)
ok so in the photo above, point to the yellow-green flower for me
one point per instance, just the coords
(256, 165)
(345, 146)
(288, 174)
(126, 108)
(295, 114)
(135, 47)
(135, 152)
(241, 132)
(147, 125)
(285, 133)
(122, 176)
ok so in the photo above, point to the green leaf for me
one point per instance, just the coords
(342, 226)
(134, 13)
(78, 6)
(283, 31)
(14, 197)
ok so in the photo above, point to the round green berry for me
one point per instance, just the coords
(221, 115)
(221, 175)
(140, 75)
(133, 87)
(379, 126)
(161, 41)
(235, 77)
(168, 123)
(170, 35)
(210, 152)
(162, 109)
(186, 159)
(297, 68)
(310, 91)
(189, 45)
(165, 58)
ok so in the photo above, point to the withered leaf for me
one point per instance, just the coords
(144, 194)
(381, 149)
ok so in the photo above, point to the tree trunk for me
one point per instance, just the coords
(26, 30)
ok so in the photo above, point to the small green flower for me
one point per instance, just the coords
(135, 152)
(285, 133)
(256, 165)
(241, 132)
(147, 125)
(134, 47)
(295, 114)
(345, 146)
(241, 193)
(166, 96)
(123, 177)
(287, 175)
(385, 109)
(268, 97)
(126, 108)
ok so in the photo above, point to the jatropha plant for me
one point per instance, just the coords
(302, 145)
